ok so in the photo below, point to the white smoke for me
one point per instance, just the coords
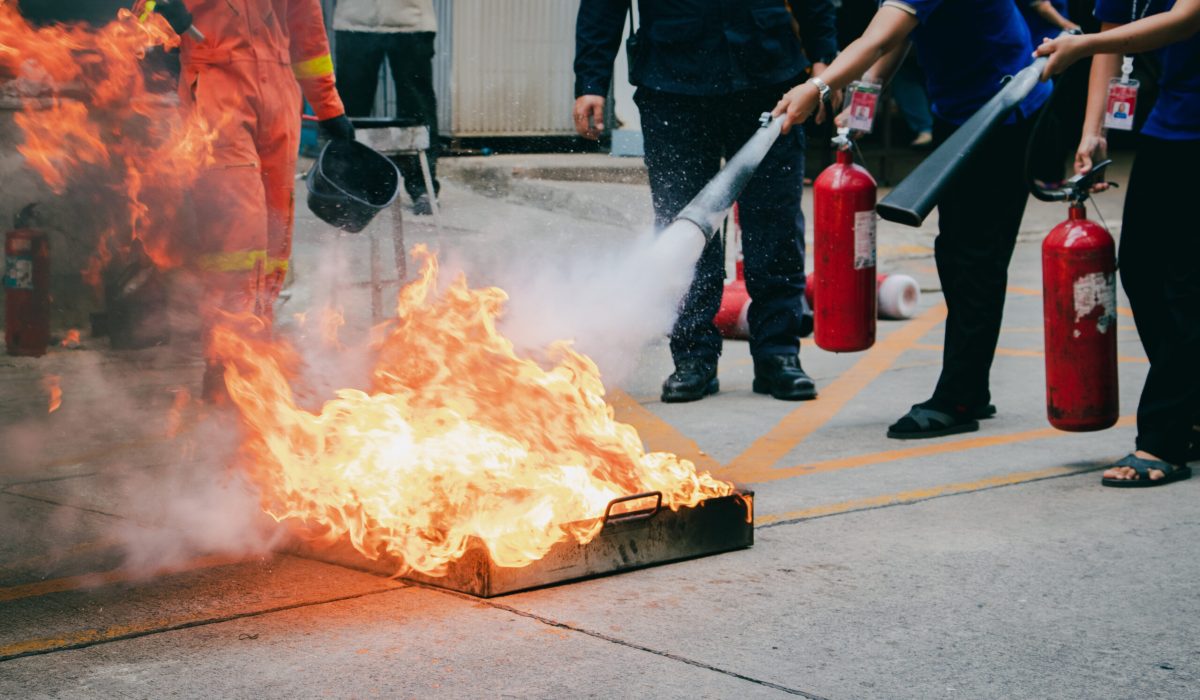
(611, 304)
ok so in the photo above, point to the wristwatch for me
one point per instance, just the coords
(822, 88)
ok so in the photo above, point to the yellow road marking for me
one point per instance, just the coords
(88, 637)
(916, 495)
(658, 434)
(70, 583)
(942, 447)
(807, 418)
(1014, 352)
(1024, 291)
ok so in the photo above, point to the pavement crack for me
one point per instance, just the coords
(60, 504)
(621, 642)
(135, 634)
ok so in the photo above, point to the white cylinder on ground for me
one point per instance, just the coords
(899, 296)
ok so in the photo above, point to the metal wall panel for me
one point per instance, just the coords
(511, 67)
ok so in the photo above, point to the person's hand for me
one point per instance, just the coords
(339, 128)
(1063, 51)
(796, 105)
(176, 14)
(1092, 148)
(589, 116)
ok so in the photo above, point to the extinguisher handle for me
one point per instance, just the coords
(1076, 189)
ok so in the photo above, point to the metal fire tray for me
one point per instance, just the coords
(628, 540)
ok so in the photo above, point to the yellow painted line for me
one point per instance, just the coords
(916, 495)
(92, 580)
(809, 416)
(1013, 352)
(659, 435)
(90, 636)
(1124, 311)
(936, 448)
(1024, 291)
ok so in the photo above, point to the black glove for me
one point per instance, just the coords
(338, 128)
(176, 14)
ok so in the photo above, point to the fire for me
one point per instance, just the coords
(456, 438)
(51, 382)
(71, 340)
(93, 128)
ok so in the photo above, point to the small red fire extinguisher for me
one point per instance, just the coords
(26, 288)
(1079, 298)
(844, 253)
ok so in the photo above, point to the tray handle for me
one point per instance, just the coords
(643, 514)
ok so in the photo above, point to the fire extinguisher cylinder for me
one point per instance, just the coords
(26, 291)
(1079, 301)
(844, 254)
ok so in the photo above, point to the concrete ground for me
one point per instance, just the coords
(984, 565)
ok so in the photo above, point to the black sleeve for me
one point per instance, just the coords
(818, 28)
(598, 29)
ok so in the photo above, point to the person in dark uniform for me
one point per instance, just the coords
(705, 70)
(967, 48)
(1160, 248)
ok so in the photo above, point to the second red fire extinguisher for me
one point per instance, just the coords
(844, 253)
(1079, 298)
(26, 288)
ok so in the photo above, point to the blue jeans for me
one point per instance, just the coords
(685, 139)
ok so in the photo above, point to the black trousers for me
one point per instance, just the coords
(359, 56)
(685, 139)
(1160, 271)
(979, 216)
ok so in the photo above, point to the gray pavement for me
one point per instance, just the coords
(984, 565)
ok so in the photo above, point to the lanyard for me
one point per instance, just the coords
(1134, 15)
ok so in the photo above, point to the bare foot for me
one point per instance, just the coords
(1122, 473)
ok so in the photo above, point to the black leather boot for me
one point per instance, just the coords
(692, 380)
(782, 377)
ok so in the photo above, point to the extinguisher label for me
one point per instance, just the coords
(1096, 291)
(18, 272)
(864, 239)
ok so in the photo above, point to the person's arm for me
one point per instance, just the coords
(597, 39)
(308, 46)
(1146, 34)
(1047, 12)
(887, 31)
(1093, 145)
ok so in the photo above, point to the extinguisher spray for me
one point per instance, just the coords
(26, 288)
(1079, 289)
(844, 296)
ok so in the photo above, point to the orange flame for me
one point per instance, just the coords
(71, 340)
(95, 123)
(458, 438)
(53, 388)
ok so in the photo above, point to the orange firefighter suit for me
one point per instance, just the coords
(245, 79)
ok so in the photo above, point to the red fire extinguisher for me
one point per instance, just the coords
(26, 288)
(1079, 288)
(844, 253)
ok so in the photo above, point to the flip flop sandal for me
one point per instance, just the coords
(924, 422)
(1142, 467)
(985, 411)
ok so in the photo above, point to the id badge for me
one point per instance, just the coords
(864, 100)
(1122, 100)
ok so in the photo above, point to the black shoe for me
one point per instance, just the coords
(692, 380)
(782, 376)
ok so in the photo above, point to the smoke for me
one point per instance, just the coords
(611, 303)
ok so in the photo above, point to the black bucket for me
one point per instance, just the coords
(350, 183)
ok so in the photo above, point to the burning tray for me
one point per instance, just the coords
(629, 540)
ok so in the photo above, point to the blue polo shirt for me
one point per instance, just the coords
(1039, 28)
(1176, 113)
(967, 49)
